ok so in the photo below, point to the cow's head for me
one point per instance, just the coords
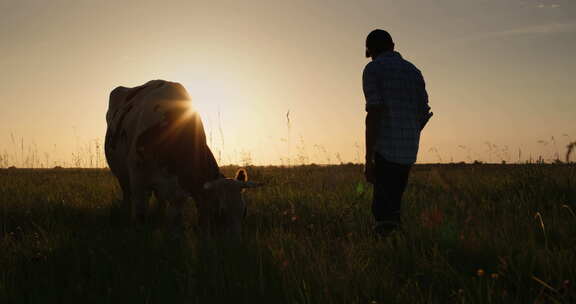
(230, 206)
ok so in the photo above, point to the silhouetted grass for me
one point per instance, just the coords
(471, 235)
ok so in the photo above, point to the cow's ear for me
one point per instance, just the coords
(252, 184)
(241, 175)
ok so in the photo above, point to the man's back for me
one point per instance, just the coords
(396, 87)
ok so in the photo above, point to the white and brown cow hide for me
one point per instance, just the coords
(155, 142)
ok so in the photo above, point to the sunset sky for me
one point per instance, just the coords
(500, 74)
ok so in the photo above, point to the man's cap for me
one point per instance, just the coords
(379, 40)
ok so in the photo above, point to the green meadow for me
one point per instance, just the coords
(472, 234)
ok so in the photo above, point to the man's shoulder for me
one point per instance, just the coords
(394, 63)
(370, 67)
(409, 65)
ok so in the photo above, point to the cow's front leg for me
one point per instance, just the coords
(178, 220)
(205, 228)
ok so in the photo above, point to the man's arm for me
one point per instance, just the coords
(373, 119)
(375, 107)
(425, 113)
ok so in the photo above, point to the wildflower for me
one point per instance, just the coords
(565, 285)
(468, 220)
(480, 272)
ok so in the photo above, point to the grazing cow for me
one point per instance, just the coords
(155, 143)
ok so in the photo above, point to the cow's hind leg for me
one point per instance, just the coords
(139, 196)
(126, 204)
(121, 209)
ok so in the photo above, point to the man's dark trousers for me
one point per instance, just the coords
(389, 185)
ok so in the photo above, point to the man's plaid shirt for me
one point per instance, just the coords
(396, 86)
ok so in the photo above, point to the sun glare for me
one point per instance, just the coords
(208, 99)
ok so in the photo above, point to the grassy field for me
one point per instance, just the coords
(472, 234)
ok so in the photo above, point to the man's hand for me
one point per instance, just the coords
(369, 171)
(425, 120)
(373, 120)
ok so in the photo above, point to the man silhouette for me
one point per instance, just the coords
(397, 110)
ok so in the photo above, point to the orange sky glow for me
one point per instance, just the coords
(280, 82)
